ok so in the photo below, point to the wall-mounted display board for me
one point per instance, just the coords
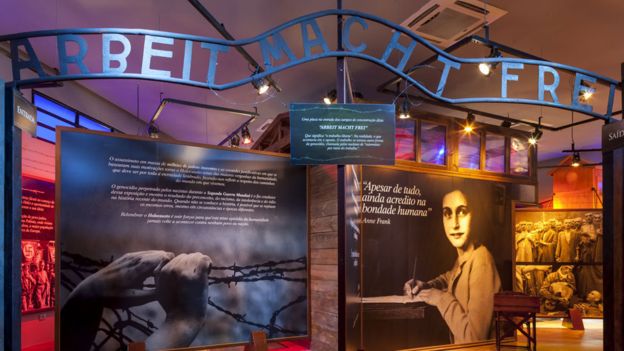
(558, 257)
(342, 134)
(177, 245)
(435, 251)
(37, 271)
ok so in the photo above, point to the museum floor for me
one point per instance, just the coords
(552, 336)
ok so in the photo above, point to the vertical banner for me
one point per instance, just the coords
(176, 245)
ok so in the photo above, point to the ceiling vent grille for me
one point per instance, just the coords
(444, 22)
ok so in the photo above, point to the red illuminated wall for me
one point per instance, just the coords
(37, 232)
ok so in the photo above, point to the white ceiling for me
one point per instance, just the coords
(585, 34)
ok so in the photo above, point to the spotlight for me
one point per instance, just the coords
(330, 97)
(152, 130)
(538, 134)
(235, 141)
(586, 91)
(576, 159)
(535, 136)
(469, 126)
(506, 124)
(246, 136)
(404, 109)
(261, 85)
(486, 68)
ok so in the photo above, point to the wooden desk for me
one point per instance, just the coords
(519, 310)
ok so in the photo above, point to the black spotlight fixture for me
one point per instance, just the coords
(330, 97)
(469, 126)
(576, 159)
(152, 130)
(235, 140)
(247, 139)
(537, 134)
(261, 85)
(404, 109)
(486, 68)
(506, 124)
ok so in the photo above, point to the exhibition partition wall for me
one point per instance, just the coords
(177, 245)
(448, 232)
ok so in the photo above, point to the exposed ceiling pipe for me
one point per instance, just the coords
(473, 111)
(165, 101)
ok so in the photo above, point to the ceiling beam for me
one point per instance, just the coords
(473, 111)
(225, 34)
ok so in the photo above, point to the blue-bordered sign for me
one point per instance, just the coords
(342, 134)
(278, 54)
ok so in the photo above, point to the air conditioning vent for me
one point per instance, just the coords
(423, 15)
(444, 22)
(471, 7)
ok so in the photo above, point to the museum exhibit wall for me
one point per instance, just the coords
(404, 225)
(37, 164)
(209, 240)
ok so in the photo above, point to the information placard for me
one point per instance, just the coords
(25, 115)
(613, 136)
(37, 270)
(177, 245)
(342, 134)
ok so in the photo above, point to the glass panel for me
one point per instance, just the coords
(495, 153)
(519, 157)
(404, 144)
(91, 124)
(55, 108)
(432, 143)
(46, 134)
(470, 150)
(51, 121)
